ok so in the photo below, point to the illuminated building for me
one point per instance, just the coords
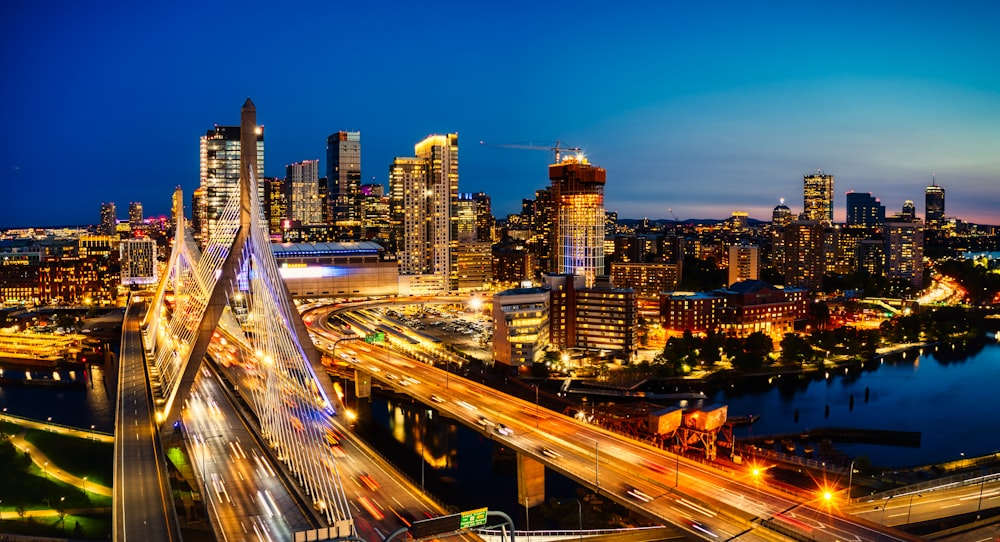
(803, 254)
(647, 279)
(840, 246)
(817, 195)
(343, 178)
(745, 307)
(871, 257)
(520, 326)
(76, 280)
(424, 194)
(19, 277)
(275, 204)
(138, 262)
(135, 216)
(744, 261)
(562, 302)
(864, 210)
(607, 318)
(302, 184)
(220, 173)
(337, 269)
(689, 311)
(934, 205)
(198, 210)
(102, 246)
(375, 207)
(904, 250)
(485, 223)
(473, 266)
(109, 219)
(578, 196)
(754, 306)
(512, 263)
(781, 215)
(909, 211)
(739, 221)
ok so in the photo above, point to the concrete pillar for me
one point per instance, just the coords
(530, 481)
(362, 384)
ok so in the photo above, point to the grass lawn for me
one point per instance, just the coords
(82, 457)
(90, 526)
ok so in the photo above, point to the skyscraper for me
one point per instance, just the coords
(135, 215)
(803, 254)
(410, 216)
(343, 177)
(934, 205)
(275, 203)
(109, 219)
(781, 216)
(302, 183)
(904, 250)
(909, 210)
(220, 173)
(578, 194)
(817, 192)
(864, 210)
(743, 263)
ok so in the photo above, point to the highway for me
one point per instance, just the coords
(705, 502)
(381, 499)
(139, 467)
(931, 503)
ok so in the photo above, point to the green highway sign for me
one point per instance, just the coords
(473, 518)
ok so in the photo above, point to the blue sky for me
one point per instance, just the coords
(704, 108)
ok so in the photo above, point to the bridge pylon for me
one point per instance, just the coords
(230, 297)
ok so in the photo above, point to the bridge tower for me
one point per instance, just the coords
(229, 297)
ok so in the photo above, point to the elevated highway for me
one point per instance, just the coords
(143, 507)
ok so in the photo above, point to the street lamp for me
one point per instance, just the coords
(579, 507)
(850, 482)
(909, 508)
(597, 463)
(884, 506)
(536, 406)
(84, 486)
(45, 469)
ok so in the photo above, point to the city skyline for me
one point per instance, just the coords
(703, 112)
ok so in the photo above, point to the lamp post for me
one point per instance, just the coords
(597, 463)
(45, 469)
(579, 508)
(884, 506)
(909, 507)
(850, 482)
(536, 406)
(979, 507)
(84, 486)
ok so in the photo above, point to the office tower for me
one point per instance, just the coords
(863, 209)
(176, 206)
(743, 263)
(781, 216)
(220, 173)
(343, 178)
(578, 196)
(909, 211)
(803, 254)
(485, 223)
(109, 219)
(375, 213)
(135, 215)
(198, 210)
(302, 184)
(934, 205)
(817, 192)
(275, 204)
(465, 217)
(904, 250)
(739, 221)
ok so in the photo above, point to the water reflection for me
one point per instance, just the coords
(419, 429)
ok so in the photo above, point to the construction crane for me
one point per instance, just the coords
(558, 149)
(673, 214)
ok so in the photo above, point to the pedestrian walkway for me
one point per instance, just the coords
(51, 469)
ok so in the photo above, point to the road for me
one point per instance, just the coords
(381, 499)
(705, 502)
(932, 503)
(143, 509)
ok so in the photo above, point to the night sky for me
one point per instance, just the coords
(701, 107)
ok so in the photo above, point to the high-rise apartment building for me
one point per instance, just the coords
(744, 261)
(220, 175)
(302, 184)
(135, 215)
(413, 221)
(343, 178)
(803, 254)
(578, 197)
(138, 262)
(934, 205)
(817, 195)
(109, 219)
(863, 209)
(904, 250)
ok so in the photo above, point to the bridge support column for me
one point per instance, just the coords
(362, 384)
(530, 481)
